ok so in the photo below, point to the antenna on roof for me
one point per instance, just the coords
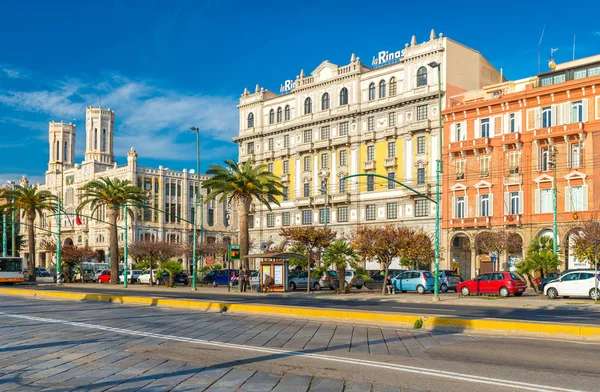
(539, 49)
(573, 47)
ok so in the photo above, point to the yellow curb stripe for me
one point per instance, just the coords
(516, 328)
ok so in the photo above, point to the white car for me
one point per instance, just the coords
(358, 283)
(574, 284)
(144, 277)
(132, 276)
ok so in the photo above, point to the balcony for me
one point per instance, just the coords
(369, 165)
(269, 154)
(285, 178)
(305, 147)
(463, 223)
(510, 138)
(514, 219)
(341, 140)
(303, 201)
(321, 144)
(391, 132)
(245, 157)
(340, 198)
(470, 144)
(559, 131)
(320, 200)
(419, 126)
(284, 152)
(513, 178)
(368, 136)
(389, 162)
(421, 188)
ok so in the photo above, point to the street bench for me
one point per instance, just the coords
(374, 285)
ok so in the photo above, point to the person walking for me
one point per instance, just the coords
(243, 280)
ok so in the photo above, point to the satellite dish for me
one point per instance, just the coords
(192, 171)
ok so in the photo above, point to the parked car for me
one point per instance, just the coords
(132, 275)
(181, 278)
(448, 280)
(104, 276)
(419, 281)
(552, 277)
(358, 282)
(328, 280)
(503, 283)
(298, 281)
(574, 284)
(220, 277)
(255, 279)
(42, 272)
(88, 276)
(144, 277)
(379, 275)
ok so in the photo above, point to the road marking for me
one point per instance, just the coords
(286, 353)
(434, 309)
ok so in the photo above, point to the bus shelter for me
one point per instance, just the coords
(273, 270)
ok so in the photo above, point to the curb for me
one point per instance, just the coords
(505, 327)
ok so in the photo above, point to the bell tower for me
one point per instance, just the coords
(62, 144)
(99, 133)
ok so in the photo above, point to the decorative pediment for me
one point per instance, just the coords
(420, 164)
(543, 178)
(324, 71)
(306, 179)
(576, 175)
(458, 187)
(342, 174)
(483, 184)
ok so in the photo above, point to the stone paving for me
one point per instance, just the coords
(37, 356)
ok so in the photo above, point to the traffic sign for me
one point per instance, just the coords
(234, 252)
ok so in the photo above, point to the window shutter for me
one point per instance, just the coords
(477, 130)
(505, 128)
(538, 118)
(539, 158)
(569, 155)
(567, 199)
(466, 207)
(478, 206)
(537, 201)
(491, 205)
(452, 132)
(521, 202)
(584, 110)
(531, 119)
(518, 121)
(453, 207)
(584, 197)
(553, 115)
(559, 114)
(566, 109)
(492, 126)
(506, 203)
(465, 130)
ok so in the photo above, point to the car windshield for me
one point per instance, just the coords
(448, 273)
(515, 276)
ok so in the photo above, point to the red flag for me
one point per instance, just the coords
(78, 220)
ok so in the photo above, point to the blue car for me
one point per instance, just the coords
(220, 277)
(419, 281)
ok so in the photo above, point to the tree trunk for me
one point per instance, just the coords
(341, 271)
(31, 245)
(308, 276)
(385, 275)
(112, 214)
(151, 272)
(243, 207)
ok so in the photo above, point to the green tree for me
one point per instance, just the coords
(585, 240)
(155, 253)
(540, 258)
(420, 254)
(172, 268)
(340, 255)
(30, 202)
(242, 184)
(110, 193)
(314, 239)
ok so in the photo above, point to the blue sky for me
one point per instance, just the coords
(165, 66)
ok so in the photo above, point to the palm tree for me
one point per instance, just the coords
(340, 254)
(242, 184)
(31, 202)
(110, 194)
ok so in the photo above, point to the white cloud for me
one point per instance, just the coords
(59, 103)
(13, 72)
(597, 33)
(16, 177)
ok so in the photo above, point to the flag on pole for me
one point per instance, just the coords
(78, 220)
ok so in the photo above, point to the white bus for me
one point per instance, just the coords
(11, 270)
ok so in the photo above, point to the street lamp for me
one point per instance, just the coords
(197, 203)
(59, 218)
(554, 223)
(13, 249)
(438, 171)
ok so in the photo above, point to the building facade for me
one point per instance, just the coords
(505, 147)
(168, 190)
(355, 119)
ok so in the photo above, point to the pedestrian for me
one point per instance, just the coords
(389, 286)
(243, 276)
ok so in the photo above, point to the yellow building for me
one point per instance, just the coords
(353, 119)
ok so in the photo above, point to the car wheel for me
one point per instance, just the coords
(404, 291)
(420, 289)
(214, 283)
(465, 291)
(552, 293)
(345, 285)
(358, 287)
(504, 292)
(444, 288)
(316, 287)
(292, 286)
(518, 294)
(595, 294)
(139, 281)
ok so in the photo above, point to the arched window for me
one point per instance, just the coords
(325, 101)
(95, 138)
(422, 77)
(392, 86)
(372, 92)
(344, 96)
(307, 106)
(271, 116)
(57, 151)
(287, 112)
(103, 140)
(251, 120)
(279, 113)
(66, 153)
(382, 89)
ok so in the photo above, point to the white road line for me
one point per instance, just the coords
(432, 309)
(380, 365)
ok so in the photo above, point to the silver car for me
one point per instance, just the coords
(358, 282)
(298, 281)
(448, 280)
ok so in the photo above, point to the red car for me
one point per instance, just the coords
(503, 283)
(104, 276)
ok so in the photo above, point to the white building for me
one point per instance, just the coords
(353, 119)
(168, 190)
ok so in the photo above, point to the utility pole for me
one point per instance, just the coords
(554, 223)
(59, 280)
(13, 249)
(596, 271)
(4, 237)
(197, 205)
(125, 248)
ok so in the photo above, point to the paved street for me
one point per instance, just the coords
(542, 310)
(65, 346)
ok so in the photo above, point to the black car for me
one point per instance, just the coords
(552, 277)
(392, 273)
(181, 278)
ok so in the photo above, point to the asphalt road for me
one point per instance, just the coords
(542, 313)
(49, 345)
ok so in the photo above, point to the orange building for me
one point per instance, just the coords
(500, 147)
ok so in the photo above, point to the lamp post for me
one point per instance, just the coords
(554, 191)
(197, 203)
(59, 218)
(125, 248)
(325, 191)
(13, 250)
(438, 171)
(4, 242)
